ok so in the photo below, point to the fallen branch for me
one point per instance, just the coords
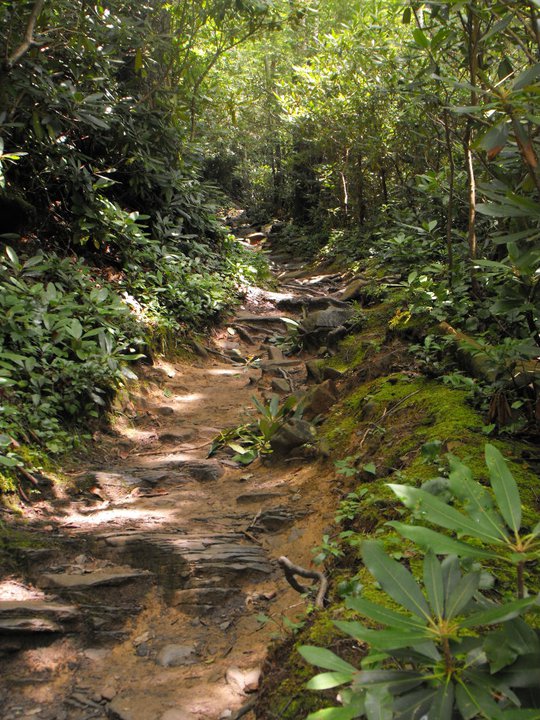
(291, 570)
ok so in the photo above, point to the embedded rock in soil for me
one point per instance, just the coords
(320, 399)
(28, 625)
(175, 558)
(152, 477)
(201, 470)
(274, 519)
(178, 436)
(354, 289)
(205, 596)
(292, 435)
(176, 655)
(257, 497)
(281, 385)
(83, 581)
(164, 410)
(243, 681)
(325, 326)
(35, 616)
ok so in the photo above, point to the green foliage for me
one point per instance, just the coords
(254, 439)
(65, 344)
(496, 527)
(446, 650)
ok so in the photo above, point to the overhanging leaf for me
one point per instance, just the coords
(440, 513)
(505, 488)
(439, 543)
(395, 579)
(325, 681)
(321, 657)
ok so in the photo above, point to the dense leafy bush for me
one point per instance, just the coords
(65, 344)
(446, 649)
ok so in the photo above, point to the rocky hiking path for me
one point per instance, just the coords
(157, 590)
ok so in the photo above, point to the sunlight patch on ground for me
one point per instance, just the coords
(118, 515)
(13, 590)
(192, 397)
(223, 371)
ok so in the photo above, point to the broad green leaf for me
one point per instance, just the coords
(498, 651)
(9, 461)
(321, 657)
(433, 582)
(12, 255)
(413, 705)
(478, 502)
(471, 701)
(395, 579)
(443, 702)
(75, 329)
(383, 615)
(439, 543)
(335, 713)
(505, 488)
(499, 613)
(439, 513)
(382, 639)
(324, 681)
(527, 77)
(494, 139)
(462, 594)
(378, 704)
(420, 38)
(397, 680)
(518, 715)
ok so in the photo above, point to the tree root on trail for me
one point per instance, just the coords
(290, 570)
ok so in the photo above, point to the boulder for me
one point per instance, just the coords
(176, 655)
(292, 435)
(320, 399)
(353, 291)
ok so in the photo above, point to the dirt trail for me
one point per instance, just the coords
(161, 592)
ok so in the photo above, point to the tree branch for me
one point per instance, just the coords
(28, 35)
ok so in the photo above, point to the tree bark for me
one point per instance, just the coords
(28, 40)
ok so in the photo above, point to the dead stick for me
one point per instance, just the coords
(290, 570)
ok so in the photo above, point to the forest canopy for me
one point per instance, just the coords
(403, 132)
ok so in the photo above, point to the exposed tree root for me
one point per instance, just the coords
(291, 570)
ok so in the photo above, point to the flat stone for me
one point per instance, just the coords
(204, 470)
(175, 557)
(204, 596)
(178, 436)
(275, 354)
(281, 385)
(115, 479)
(164, 410)
(243, 680)
(153, 477)
(82, 581)
(38, 608)
(176, 655)
(320, 399)
(292, 435)
(257, 497)
(28, 625)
